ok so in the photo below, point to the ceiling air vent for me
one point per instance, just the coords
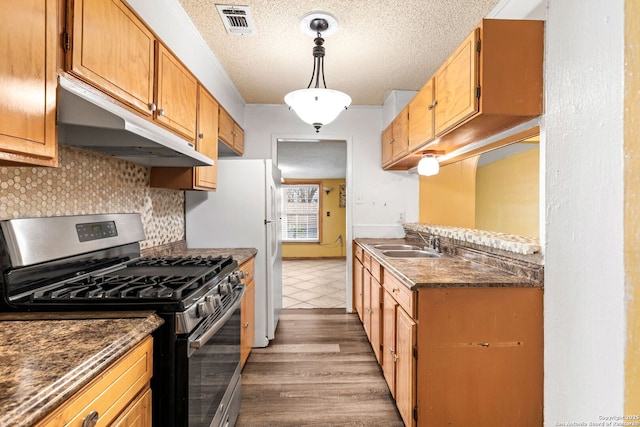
(236, 19)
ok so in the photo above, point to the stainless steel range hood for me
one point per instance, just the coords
(90, 120)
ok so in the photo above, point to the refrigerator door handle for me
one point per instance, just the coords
(268, 221)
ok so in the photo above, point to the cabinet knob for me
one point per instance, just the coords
(152, 107)
(201, 135)
(91, 420)
(161, 112)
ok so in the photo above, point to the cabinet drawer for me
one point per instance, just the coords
(402, 294)
(376, 270)
(248, 268)
(357, 251)
(110, 393)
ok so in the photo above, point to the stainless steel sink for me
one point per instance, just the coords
(390, 247)
(410, 253)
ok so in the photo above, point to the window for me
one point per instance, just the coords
(301, 212)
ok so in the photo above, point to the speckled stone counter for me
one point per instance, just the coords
(180, 249)
(456, 268)
(46, 358)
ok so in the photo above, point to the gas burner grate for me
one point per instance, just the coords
(192, 261)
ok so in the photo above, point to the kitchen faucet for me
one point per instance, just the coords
(432, 243)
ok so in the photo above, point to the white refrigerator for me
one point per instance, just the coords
(244, 212)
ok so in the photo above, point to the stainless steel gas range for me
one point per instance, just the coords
(93, 263)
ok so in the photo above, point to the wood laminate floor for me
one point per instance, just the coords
(318, 371)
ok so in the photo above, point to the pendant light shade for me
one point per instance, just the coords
(428, 165)
(315, 105)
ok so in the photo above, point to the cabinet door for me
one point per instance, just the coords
(112, 49)
(366, 303)
(177, 91)
(455, 86)
(389, 312)
(138, 414)
(421, 117)
(358, 278)
(405, 366)
(225, 127)
(376, 318)
(247, 312)
(401, 134)
(238, 138)
(207, 143)
(387, 145)
(28, 82)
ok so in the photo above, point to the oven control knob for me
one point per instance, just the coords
(225, 288)
(204, 309)
(236, 277)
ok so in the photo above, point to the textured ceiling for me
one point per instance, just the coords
(312, 159)
(380, 45)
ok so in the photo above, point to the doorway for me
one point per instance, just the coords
(314, 217)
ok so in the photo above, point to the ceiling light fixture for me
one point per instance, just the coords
(315, 105)
(428, 164)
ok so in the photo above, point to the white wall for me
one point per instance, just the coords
(584, 273)
(375, 197)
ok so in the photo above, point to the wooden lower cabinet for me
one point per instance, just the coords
(247, 311)
(480, 357)
(118, 396)
(138, 414)
(358, 288)
(459, 356)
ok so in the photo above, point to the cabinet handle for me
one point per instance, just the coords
(395, 358)
(91, 420)
(152, 107)
(391, 141)
(391, 351)
(201, 135)
(246, 325)
(434, 103)
(483, 344)
(161, 112)
(430, 107)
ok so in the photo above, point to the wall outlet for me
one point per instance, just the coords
(401, 216)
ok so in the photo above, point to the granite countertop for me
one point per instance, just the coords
(45, 358)
(180, 249)
(450, 270)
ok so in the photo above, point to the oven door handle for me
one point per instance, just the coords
(200, 342)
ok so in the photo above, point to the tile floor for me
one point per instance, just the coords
(313, 283)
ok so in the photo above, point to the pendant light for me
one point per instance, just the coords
(428, 164)
(317, 105)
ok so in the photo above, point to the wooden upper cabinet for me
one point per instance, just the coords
(200, 177)
(230, 133)
(238, 138)
(176, 96)
(207, 143)
(113, 50)
(455, 85)
(28, 82)
(490, 83)
(401, 134)
(387, 145)
(421, 117)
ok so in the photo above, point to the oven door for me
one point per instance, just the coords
(213, 370)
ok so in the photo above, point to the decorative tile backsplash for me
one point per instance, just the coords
(88, 183)
(505, 242)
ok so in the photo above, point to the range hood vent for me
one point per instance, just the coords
(90, 120)
(236, 19)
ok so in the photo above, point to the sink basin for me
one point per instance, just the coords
(410, 253)
(396, 247)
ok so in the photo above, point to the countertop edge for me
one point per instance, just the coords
(52, 396)
(516, 282)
